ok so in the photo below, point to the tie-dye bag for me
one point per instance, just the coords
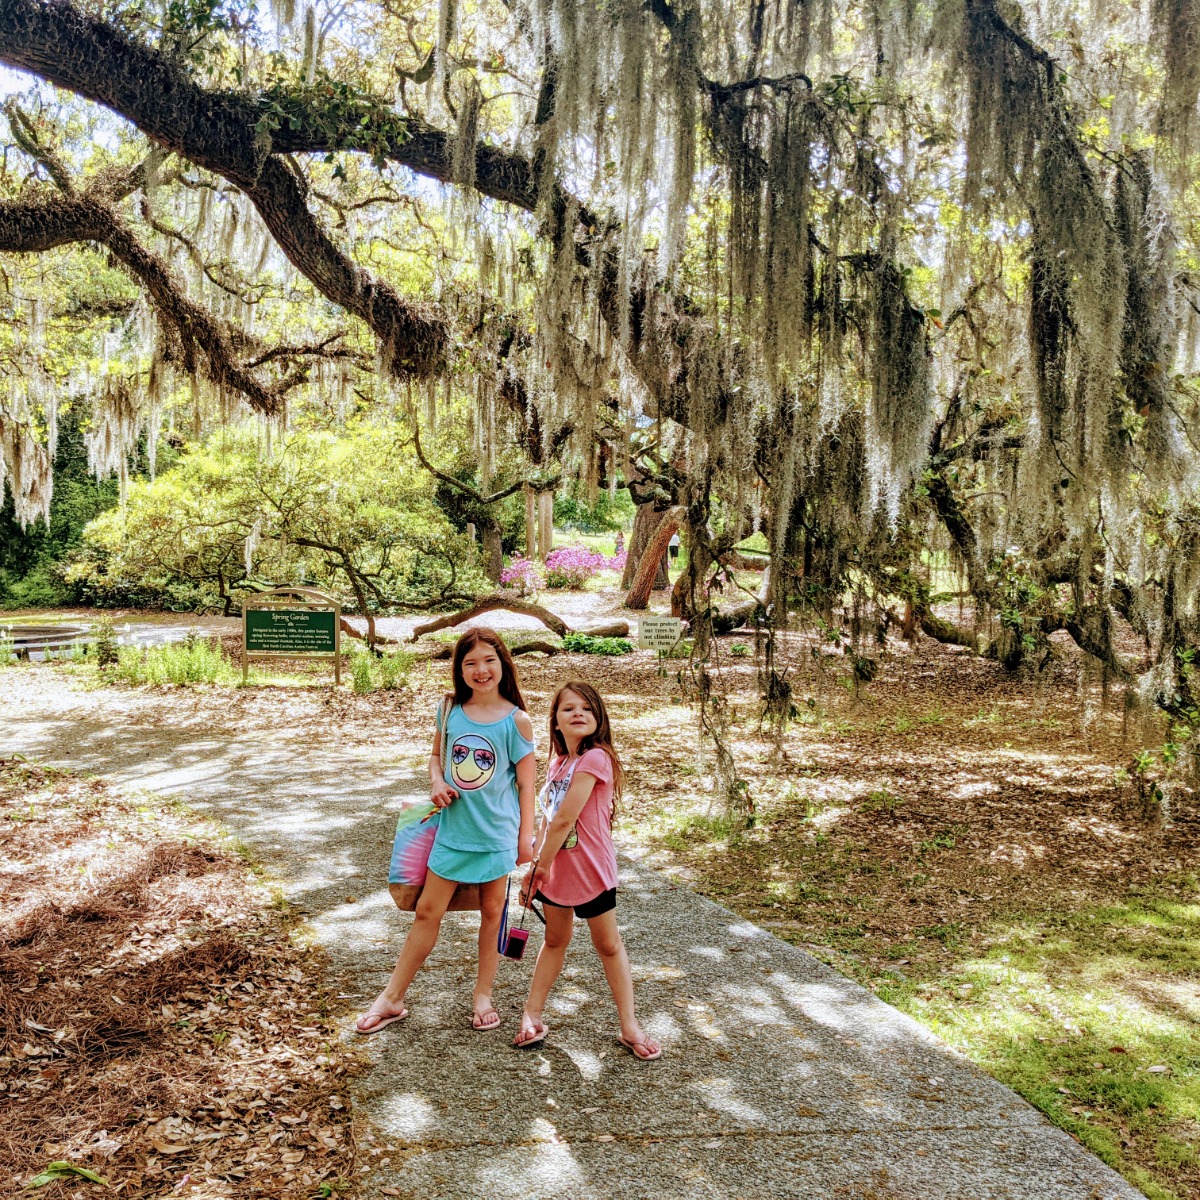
(416, 829)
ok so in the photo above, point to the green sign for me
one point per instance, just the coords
(279, 630)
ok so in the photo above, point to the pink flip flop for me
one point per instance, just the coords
(382, 1021)
(485, 1025)
(633, 1048)
(536, 1038)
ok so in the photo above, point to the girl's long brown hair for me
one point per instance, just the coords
(602, 738)
(510, 682)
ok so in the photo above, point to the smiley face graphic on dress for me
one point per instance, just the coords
(472, 761)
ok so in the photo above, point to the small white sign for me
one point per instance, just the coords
(659, 633)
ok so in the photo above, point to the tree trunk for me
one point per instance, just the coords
(545, 524)
(644, 525)
(530, 523)
(647, 572)
(493, 553)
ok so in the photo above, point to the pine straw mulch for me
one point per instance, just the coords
(159, 1026)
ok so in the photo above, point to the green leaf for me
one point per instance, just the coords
(63, 1170)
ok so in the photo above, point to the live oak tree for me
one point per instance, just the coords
(883, 281)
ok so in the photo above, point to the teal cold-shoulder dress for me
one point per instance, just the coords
(477, 833)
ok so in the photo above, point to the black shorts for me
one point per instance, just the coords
(605, 902)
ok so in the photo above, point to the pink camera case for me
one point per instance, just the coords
(514, 944)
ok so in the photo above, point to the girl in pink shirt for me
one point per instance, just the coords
(575, 868)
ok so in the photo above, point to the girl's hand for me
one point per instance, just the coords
(442, 794)
(533, 881)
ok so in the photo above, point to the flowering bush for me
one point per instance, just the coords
(617, 562)
(524, 574)
(572, 566)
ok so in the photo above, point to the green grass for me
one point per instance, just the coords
(881, 801)
(1074, 1011)
(679, 831)
(1088, 1009)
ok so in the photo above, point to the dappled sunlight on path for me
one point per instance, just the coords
(780, 1078)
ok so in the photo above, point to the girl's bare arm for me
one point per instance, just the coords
(440, 792)
(526, 786)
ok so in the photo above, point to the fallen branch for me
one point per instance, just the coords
(604, 629)
(948, 632)
(505, 601)
(350, 631)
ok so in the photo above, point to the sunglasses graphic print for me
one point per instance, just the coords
(472, 761)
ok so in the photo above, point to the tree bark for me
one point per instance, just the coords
(493, 552)
(643, 581)
(645, 522)
(545, 524)
(530, 523)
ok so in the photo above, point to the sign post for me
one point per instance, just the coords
(659, 633)
(292, 622)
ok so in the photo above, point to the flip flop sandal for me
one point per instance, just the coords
(536, 1040)
(486, 1026)
(631, 1047)
(382, 1024)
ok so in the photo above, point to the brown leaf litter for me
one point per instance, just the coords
(157, 1025)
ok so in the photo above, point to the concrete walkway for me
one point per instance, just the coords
(780, 1078)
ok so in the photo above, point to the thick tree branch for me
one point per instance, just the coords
(508, 602)
(60, 220)
(231, 135)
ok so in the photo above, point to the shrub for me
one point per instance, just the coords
(681, 649)
(572, 566)
(369, 672)
(739, 650)
(617, 562)
(584, 643)
(196, 660)
(106, 642)
(394, 669)
(8, 655)
(360, 671)
(524, 574)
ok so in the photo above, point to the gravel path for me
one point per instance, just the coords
(780, 1077)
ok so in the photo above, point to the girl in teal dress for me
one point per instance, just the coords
(487, 822)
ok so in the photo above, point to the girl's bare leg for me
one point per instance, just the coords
(560, 923)
(607, 940)
(491, 899)
(427, 921)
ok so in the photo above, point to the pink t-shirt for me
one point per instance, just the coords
(589, 868)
